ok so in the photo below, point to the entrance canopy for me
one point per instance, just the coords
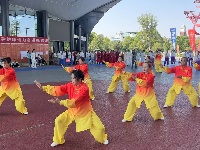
(86, 13)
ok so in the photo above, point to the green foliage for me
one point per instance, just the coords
(116, 45)
(183, 42)
(147, 38)
(126, 43)
(67, 46)
(15, 28)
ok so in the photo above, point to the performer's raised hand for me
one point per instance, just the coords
(38, 84)
(54, 101)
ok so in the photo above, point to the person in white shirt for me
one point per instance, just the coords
(126, 57)
(138, 56)
(33, 59)
(129, 58)
(173, 57)
(87, 57)
(82, 54)
(166, 58)
(143, 56)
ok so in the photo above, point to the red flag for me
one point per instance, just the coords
(191, 33)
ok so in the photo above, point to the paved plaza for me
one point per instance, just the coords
(179, 131)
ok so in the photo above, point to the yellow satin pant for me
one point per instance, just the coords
(115, 81)
(62, 122)
(158, 68)
(171, 96)
(19, 102)
(89, 84)
(155, 111)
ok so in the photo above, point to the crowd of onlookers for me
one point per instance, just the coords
(99, 56)
(35, 59)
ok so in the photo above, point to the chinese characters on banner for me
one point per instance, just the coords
(13, 47)
(191, 33)
(173, 37)
(13, 39)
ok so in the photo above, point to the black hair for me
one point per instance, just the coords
(83, 59)
(78, 74)
(185, 58)
(149, 57)
(6, 59)
(149, 64)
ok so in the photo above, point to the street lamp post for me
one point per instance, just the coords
(26, 30)
(16, 28)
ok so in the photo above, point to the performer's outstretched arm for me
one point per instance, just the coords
(109, 65)
(69, 69)
(168, 70)
(53, 90)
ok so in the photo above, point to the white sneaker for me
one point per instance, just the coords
(26, 113)
(92, 98)
(162, 118)
(106, 142)
(107, 92)
(123, 120)
(165, 106)
(53, 144)
(198, 106)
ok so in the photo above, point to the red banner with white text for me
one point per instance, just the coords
(191, 33)
(17, 47)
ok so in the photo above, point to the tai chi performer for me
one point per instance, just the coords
(79, 109)
(158, 62)
(183, 76)
(10, 86)
(144, 92)
(84, 68)
(119, 67)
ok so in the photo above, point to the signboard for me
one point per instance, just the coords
(173, 37)
(17, 47)
(14, 39)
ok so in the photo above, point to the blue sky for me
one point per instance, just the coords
(123, 17)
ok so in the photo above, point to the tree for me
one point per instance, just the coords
(149, 34)
(167, 44)
(183, 42)
(106, 43)
(91, 37)
(116, 45)
(126, 43)
(15, 28)
(97, 42)
(67, 46)
(138, 42)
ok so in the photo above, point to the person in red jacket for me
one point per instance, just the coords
(182, 81)
(119, 67)
(10, 86)
(144, 92)
(79, 109)
(84, 68)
